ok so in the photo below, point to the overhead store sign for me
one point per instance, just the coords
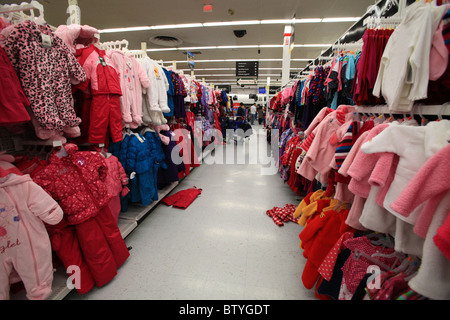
(273, 89)
(242, 82)
(190, 60)
(247, 68)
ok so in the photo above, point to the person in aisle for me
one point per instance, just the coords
(253, 113)
(260, 115)
(241, 111)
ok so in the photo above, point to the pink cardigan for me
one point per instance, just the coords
(323, 147)
(132, 79)
(430, 184)
(369, 169)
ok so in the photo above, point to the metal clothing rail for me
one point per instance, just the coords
(418, 109)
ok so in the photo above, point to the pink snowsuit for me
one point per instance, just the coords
(133, 79)
(24, 241)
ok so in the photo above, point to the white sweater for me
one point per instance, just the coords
(404, 69)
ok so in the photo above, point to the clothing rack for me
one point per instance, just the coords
(20, 8)
(15, 12)
(347, 46)
(379, 22)
(115, 45)
(139, 54)
(392, 20)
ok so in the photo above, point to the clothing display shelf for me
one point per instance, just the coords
(137, 212)
(127, 222)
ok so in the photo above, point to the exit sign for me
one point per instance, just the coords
(207, 8)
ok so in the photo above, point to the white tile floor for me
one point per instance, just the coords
(223, 246)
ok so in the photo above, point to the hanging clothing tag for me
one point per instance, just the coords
(46, 40)
(102, 61)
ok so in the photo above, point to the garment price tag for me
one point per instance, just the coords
(102, 61)
(46, 40)
(140, 138)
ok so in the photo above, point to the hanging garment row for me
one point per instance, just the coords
(376, 74)
(118, 91)
(78, 220)
(375, 170)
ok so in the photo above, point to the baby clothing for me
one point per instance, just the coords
(24, 242)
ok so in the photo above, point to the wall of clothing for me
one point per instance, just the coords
(101, 126)
(374, 187)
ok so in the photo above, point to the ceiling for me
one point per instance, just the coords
(135, 13)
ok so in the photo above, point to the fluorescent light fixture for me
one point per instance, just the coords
(161, 49)
(230, 23)
(233, 75)
(220, 60)
(270, 59)
(271, 46)
(197, 48)
(344, 19)
(233, 60)
(216, 75)
(239, 47)
(178, 26)
(277, 21)
(114, 30)
(312, 45)
(210, 69)
(310, 20)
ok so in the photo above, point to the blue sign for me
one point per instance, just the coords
(262, 90)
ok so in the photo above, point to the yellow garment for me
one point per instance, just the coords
(314, 197)
(308, 211)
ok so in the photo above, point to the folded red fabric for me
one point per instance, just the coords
(182, 199)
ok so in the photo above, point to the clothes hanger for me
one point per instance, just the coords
(62, 152)
(359, 254)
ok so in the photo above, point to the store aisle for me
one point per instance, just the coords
(223, 246)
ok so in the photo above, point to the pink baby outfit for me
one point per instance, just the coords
(24, 242)
(326, 136)
(132, 80)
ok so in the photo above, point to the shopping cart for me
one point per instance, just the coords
(241, 129)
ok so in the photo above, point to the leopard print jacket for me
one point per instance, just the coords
(45, 74)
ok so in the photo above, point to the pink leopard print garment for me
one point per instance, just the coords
(45, 74)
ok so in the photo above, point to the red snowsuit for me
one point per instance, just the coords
(318, 237)
(88, 236)
(104, 84)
